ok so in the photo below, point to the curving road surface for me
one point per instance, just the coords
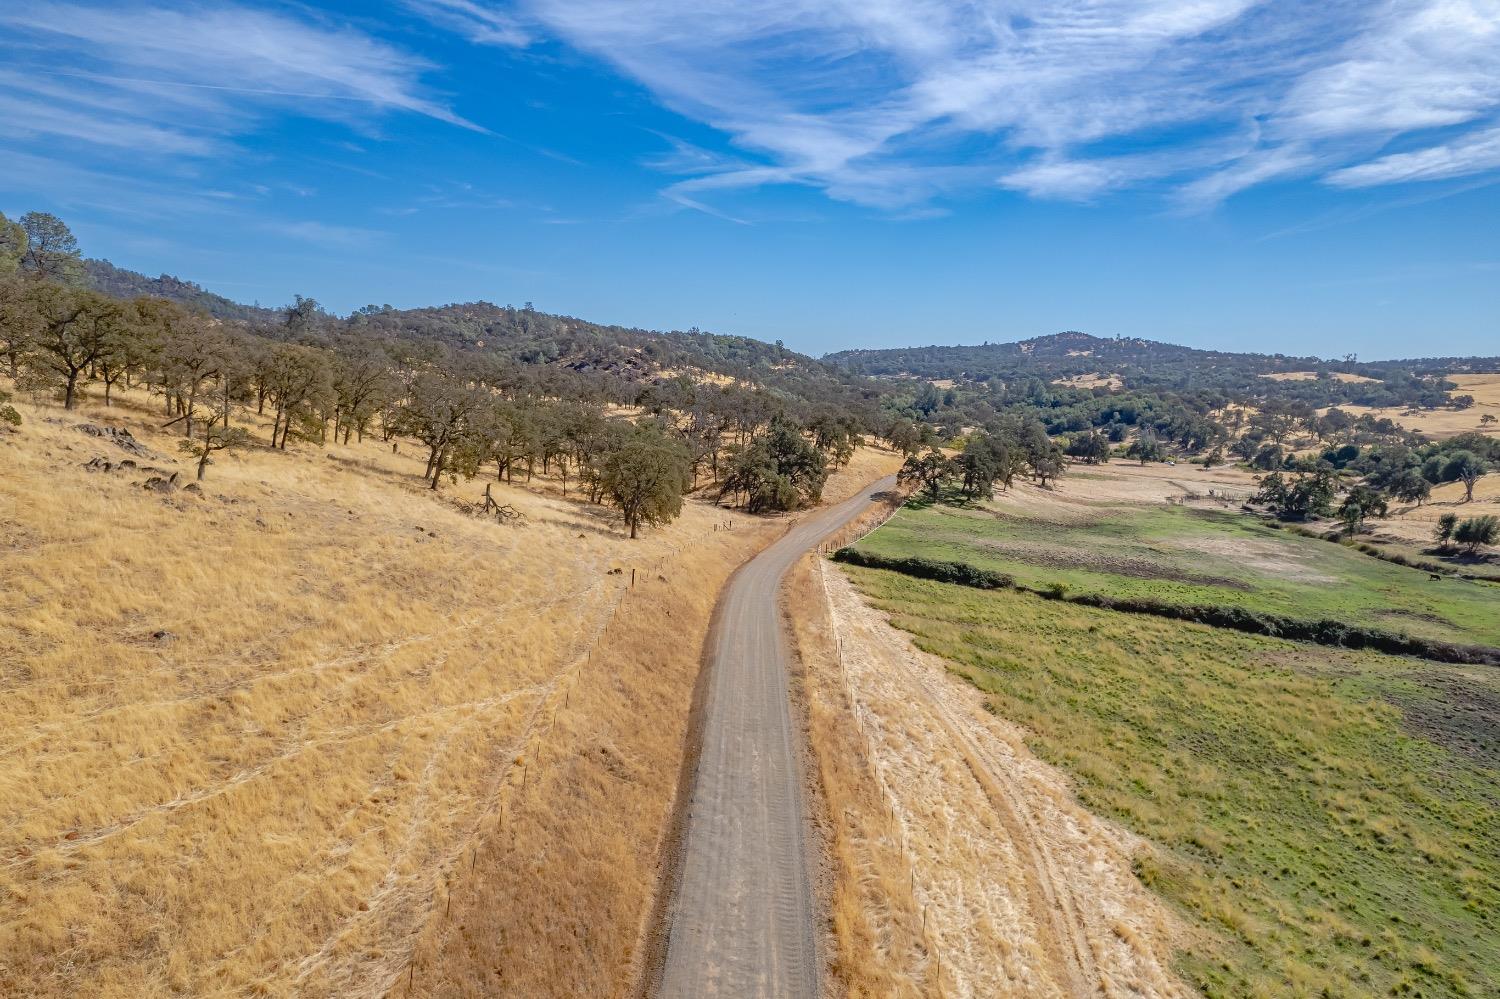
(743, 920)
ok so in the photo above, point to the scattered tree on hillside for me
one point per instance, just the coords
(780, 470)
(51, 252)
(1048, 468)
(835, 436)
(303, 314)
(362, 384)
(13, 246)
(1465, 467)
(437, 413)
(1410, 487)
(1477, 531)
(1442, 532)
(216, 436)
(646, 477)
(1268, 457)
(904, 436)
(192, 355)
(1361, 502)
(72, 331)
(1092, 448)
(1306, 495)
(928, 472)
(1145, 448)
(985, 460)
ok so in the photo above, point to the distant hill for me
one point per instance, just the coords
(1067, 354)
(1149, 365)
(528, 337)
(105, 277)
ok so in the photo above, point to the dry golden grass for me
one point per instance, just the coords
(282, 792)
(1442, 423)
(868, 464)
(963, 865)
(1308, 376)
(878, 949)
(1091, 381)
(554, 894)
(1088, 492)
(1415, 524)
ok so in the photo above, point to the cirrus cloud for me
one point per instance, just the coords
(893, 103)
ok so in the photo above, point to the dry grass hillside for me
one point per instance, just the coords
(1415, 524)
(1440, 423)
(312, 730)
(1308, 376)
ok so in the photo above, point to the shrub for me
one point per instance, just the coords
(1443, 532)
(958, 573)
(1477, 531)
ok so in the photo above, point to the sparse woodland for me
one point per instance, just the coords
(637, 446)
(636, 419)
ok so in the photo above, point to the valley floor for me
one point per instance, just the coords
(1031, 796)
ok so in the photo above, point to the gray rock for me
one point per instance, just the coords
(119, 437)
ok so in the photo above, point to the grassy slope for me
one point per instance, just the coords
(283, 794)
(1202, 557)
(1322, 847)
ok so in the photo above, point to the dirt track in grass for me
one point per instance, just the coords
(1022, 891)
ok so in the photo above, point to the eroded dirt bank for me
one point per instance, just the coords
(963, 865)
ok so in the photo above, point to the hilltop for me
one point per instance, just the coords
(1134, 363)
(117, 282)
(619, 360)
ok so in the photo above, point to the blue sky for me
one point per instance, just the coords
(1276, 176)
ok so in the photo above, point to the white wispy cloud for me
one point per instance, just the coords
(1475, 153)
(187, 81)
(480, 23)
(884, 102)
(337, 237)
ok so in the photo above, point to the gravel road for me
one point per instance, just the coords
(743, 920)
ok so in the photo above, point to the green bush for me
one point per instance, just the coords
(1319, 631)
(958, 573)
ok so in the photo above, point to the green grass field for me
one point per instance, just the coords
(1328, 820)
(1190, 556)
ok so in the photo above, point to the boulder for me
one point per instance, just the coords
(115, 435)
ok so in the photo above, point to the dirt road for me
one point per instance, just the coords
(742, 920)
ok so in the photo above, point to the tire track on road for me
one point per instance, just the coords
(741, 920)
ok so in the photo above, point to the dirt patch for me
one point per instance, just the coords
(1463, 718)
(1266, 556)
(1309, 376)
(1087, 492)
(1400, 615)
(1091, 381)
(1118, 565)
(1453, 707)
